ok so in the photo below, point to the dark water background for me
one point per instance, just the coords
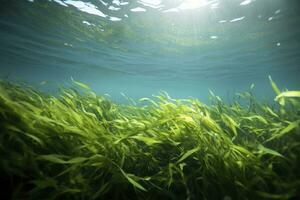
(184, 48)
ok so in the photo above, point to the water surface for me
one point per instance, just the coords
(142, 47)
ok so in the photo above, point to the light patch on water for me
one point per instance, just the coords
(88, 23)
(213, 37)
(214, 6)
(138, 9)
(275, 16)
(31, 1)
(222, 21)
(125, 15)
(124, 3)
(86, 7)
(115, 19)
(67, 44)
(278, 44)
(116, 2)
(113, 8)
(246, 2)
(105, 4)
(277, 11)
(194, 4)
(191, 4)
(60, 3)
(237, 19)
(151, 3)
(171, 10)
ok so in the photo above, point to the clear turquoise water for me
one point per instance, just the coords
(142, 47)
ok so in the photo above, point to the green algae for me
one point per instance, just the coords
(80, 145)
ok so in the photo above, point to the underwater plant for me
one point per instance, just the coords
(79, 145)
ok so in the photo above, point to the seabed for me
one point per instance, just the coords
(79, 145)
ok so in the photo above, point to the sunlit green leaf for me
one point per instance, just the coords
(188, 154)
(132, 181)
(265, 150)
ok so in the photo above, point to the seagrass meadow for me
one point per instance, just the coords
(79, 145)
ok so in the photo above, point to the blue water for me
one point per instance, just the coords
(184, 47)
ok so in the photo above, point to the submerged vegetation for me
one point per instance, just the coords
(79, 145)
